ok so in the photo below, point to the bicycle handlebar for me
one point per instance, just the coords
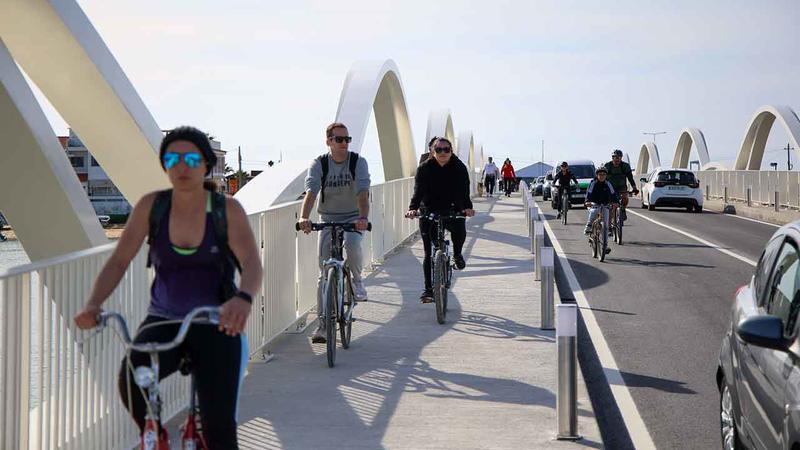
(435, 216)
(212, 317)
(346, 226)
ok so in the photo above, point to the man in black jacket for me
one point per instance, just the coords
(441, 186)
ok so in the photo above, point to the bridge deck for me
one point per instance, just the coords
(485, 379)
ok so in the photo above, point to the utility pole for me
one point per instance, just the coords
(654, 134)
(789, 156)
(240, 167)
(541, 163)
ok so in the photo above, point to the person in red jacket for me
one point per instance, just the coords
(509, 177)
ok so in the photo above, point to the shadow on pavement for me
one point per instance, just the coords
(611, 259)
(662, 384)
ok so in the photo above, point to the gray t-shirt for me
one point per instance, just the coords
(340, 203)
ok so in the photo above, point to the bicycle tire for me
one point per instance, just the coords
(346, 322)
(604, 241)
(564, 208)
(619, 230)
(331, 297)
(439, 289)
(448, 279)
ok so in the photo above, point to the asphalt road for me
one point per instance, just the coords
(663, 303)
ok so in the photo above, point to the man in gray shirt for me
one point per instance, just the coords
(345, 198)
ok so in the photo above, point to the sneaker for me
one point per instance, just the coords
(427, 296)
(608, 250)
(319, 336)
(359, 291)
(460, 263)
(586, 231)
(558, 216)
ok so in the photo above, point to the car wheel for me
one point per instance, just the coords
(698, 209)
(650, 205)
(689, 209)
(729, 433)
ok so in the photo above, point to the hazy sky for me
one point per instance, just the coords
(584, 76)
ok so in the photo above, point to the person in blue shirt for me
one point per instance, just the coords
(600, 192)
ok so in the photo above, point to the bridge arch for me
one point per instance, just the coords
(375, 86)
(440, 123)
(751, 153)
(465, 149)
(690, 138)
(648, 156)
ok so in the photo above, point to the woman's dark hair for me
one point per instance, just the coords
(442, 139)
(193, 135)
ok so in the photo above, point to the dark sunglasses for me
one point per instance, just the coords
(442, 149)
(340, 139)
(615, 156)
(192, 159)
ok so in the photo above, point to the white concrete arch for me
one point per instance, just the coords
(440, 123)
(690, 137)
(375, 86)
(713, 165)
(466, 152)
(57, 46)
(751, 152)
(39, 192)
(648, 158)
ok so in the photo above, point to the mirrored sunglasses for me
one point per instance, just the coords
(442, 149)
(340, 139)
(192, 160)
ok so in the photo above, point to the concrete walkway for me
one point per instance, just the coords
(485, 379)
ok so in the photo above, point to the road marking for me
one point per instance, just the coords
(698, 239)
(744, 218)
(637, 430)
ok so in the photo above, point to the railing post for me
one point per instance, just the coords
(547, 289)
(707, 192)
(749, 195)
(538, 243)
(777, 202)
(725, 194)
(567, 401)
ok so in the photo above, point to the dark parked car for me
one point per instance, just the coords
(759, 363)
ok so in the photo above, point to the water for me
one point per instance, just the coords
(12, 254)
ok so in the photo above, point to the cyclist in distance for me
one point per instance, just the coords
(600, 192)
(341, 177)
(194, 266)
(441, 186)
(619, 172)
(561, 181)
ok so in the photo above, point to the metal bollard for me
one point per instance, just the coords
(777, 202)
(749, 194)
(567, 401)
(725, 194)
(547, 289)
(538, 243)
(707, 194)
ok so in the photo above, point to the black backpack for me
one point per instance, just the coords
(323, 160)
(227, 261)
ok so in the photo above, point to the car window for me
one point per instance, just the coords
(676, 176)
(764, 268)
(784, 299)
(582, 171)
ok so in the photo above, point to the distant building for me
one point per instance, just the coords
(103, 194)
(538, 169)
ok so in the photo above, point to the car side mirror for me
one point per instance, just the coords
(643, 180)
(763, 331)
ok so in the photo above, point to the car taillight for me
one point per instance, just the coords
(694, 185)
(660, 184)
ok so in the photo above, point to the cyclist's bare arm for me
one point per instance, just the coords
(305, 212)
(363, 209)
(234, 312)
(128, 246)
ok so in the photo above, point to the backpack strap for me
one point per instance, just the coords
(353, 163)
(227, 261)
(161, 206)
(323, 161)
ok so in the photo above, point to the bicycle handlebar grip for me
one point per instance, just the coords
(296, 226)
(369, 226)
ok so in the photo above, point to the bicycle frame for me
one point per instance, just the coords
(147, 377)
(336, 260)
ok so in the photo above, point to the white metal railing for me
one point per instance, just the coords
(762, 185)
(70, 392)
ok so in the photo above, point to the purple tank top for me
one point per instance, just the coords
(184, 282)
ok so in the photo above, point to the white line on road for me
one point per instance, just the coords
(637, 430)
(698, 239)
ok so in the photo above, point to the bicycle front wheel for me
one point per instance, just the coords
(332, 293)
(564, 208)
(603, 242)
(346, 319)
(439, 287)
(618, 234)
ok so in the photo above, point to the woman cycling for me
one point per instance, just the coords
(509, 177)
(192, 268)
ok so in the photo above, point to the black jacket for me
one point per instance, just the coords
(441, 188)
(564, 178)
(601, 193)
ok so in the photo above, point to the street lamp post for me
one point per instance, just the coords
(654, 134)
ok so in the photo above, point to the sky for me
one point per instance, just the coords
(584, 76)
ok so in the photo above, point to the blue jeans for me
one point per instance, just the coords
(592, 214)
